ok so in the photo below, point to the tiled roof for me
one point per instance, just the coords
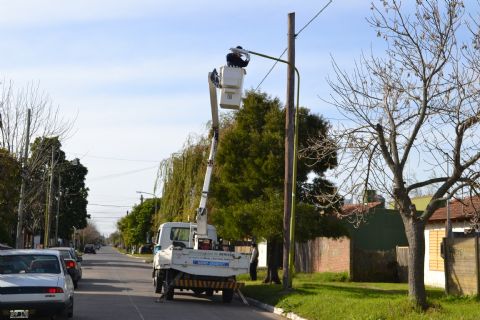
(362, 208)
(459, 210)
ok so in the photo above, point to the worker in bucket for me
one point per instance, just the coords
(234, 59)
(254, 262)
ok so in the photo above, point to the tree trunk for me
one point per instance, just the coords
(273, 257)
(414, 230)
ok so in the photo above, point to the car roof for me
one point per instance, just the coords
(29, 251)
(61, 248)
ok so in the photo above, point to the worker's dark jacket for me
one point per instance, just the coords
(234, 60)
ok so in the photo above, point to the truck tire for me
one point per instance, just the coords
(227, 295)
(197, 291)
(167, 289)
(209, 292)
(158, 282)
(169, 294)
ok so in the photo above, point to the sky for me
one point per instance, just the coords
(133, 74)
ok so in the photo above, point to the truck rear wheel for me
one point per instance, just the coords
(227, 295)
(197, 291)
(209, 292)
(158, 282)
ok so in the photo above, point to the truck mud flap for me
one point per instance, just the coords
(189, 283)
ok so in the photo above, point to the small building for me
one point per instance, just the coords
(461, 212)
(369, 251)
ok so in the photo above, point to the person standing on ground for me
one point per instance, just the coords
(254, 262)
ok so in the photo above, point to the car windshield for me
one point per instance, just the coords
(29, 263)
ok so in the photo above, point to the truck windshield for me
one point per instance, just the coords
(179, 234)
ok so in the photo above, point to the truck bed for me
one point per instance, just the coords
(203, 262)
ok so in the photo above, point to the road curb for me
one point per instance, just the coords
(272, 309)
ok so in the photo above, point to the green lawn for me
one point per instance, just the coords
(332, 296)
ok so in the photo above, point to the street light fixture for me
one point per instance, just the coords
(295, 155)
(152, 194)
(155, 202)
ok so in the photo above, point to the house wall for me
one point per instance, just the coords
(262, 253)
(432, 278)
(437, 278)
(323, 255)
(382, 230)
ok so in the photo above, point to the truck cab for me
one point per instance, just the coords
(182, 234)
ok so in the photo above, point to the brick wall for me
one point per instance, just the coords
(323, 255)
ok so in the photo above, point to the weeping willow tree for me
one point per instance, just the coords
(180, 178)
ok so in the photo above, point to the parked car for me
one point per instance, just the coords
(72, 261)
(145, 249)
(89, 248)
(4, 247)
(34, 283)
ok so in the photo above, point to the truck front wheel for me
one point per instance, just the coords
(227, 295)
(167, 285)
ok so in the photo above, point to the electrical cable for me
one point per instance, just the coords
(314, 17)
(115, 175)
(271, 69)
(303, 28)
(110, 158)
(107, 205)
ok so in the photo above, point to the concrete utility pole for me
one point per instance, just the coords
(48, 206)
(19, 241)
(289, 150)
(58, 208)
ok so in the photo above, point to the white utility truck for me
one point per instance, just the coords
(188, 255)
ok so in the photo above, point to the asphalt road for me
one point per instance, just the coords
(117, 287)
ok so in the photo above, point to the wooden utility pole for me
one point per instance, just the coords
(289, 141)
(19, 241)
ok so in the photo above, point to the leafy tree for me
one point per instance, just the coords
(135, 226)
(72, 194)
(248, 185)
(182, 178)
(72, 189)
(9, 193)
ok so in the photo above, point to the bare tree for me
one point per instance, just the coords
(415, 106)
(45, 119)
(45, 122)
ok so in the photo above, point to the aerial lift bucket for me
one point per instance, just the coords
(231, 84)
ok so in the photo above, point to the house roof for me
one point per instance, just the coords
(361, 208)
(460, 209)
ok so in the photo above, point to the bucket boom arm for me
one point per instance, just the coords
(202, 209)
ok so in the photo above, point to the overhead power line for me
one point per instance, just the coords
(300, 31)
(108, 205)
(314, 17)
(116, 175)
(111, 158)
